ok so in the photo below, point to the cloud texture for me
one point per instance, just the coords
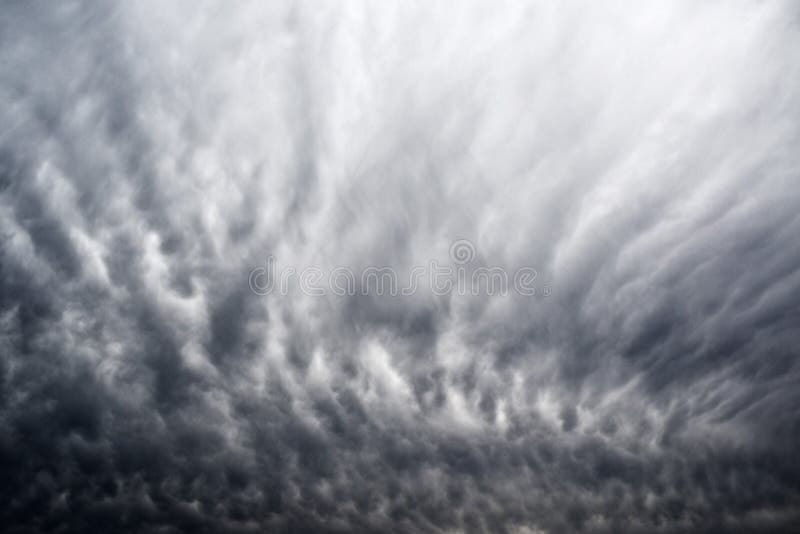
(642, 157)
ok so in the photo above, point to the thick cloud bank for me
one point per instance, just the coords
(642, 157)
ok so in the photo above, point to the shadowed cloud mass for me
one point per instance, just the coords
(641, 157)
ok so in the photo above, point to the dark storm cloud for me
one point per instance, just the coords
(641, 158)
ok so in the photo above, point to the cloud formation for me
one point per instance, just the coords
(641, 157)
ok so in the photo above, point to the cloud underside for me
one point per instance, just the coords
(642, 158)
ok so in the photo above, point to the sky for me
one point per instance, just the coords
(163, 166)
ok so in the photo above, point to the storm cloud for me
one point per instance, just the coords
(641, 157)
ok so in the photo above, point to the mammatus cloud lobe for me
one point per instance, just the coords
(641, 157)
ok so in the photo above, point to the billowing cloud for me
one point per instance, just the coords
(639, 159)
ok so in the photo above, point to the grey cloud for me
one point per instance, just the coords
(640, 157)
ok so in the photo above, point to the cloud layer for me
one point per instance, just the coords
(641, 157)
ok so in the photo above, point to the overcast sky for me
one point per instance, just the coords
(640, 157)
